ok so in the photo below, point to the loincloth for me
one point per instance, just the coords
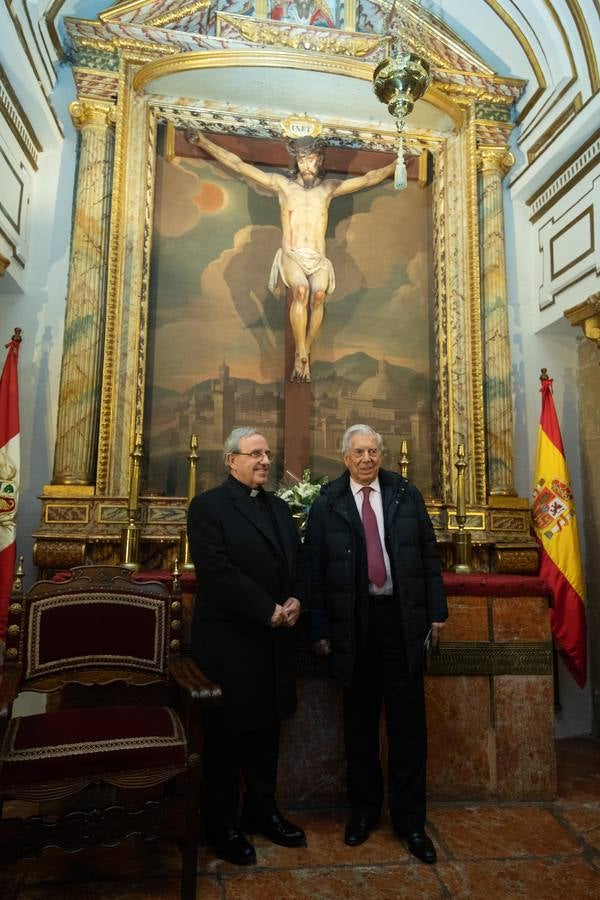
(309, 261)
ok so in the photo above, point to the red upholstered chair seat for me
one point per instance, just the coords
(51, 746)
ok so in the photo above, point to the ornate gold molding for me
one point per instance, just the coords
(4, 264)
(177, 14)
(113, 291)
(477, 449)
(145, 50)
(284, 59)
(221, 59)
(587, 316)
(119, 9)
(85, 112)
(465, 94)
(301, 37)
(495, 159)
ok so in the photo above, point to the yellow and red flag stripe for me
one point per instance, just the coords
(9, 473)
(555, 525)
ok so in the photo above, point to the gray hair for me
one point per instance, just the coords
(232, 443)
(360, 429)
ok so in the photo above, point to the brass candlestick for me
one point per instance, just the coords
(184, 545)
(130, 535)
(403, 460)
(461, 539)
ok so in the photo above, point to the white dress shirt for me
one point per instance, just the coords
(377, 505)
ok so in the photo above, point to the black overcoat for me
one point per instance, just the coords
(335, 544)
(242, 569)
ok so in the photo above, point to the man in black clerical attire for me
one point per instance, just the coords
(376, 593)
(245, 548)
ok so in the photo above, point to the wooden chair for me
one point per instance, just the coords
(104, 633)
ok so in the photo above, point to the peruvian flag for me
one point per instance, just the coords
(9, 474)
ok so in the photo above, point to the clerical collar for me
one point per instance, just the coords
(252, 492)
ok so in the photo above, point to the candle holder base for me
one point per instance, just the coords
(130, 547)
(186, 564)
(462, 553)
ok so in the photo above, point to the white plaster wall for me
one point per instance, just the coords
(39, 310)
(546, 339)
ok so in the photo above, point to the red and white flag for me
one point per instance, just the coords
(9, 474)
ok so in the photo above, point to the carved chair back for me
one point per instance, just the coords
(101, 627)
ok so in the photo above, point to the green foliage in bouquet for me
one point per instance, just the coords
(300, 497)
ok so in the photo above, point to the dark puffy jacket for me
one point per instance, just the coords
(338, 561)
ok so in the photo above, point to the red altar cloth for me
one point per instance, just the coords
(478, 584)
(494, 584)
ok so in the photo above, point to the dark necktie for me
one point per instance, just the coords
(375, 559)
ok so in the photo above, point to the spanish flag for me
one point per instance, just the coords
(9, 473)
(556, 529)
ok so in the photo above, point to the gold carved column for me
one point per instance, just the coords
(80, 383)
(493, 163)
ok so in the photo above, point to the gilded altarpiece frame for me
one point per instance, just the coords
(459, 329)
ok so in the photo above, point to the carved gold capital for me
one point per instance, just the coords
(495, 159)
(92, 112)
(4, 264)
(587, 315)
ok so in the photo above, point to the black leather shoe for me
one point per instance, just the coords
(277, 829)
(359, 829)
(230, 844)
(421, 846)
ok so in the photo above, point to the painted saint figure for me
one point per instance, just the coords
(300, 262)
(303, 12)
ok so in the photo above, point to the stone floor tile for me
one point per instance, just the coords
(532, 879)
(585, 823)
(326, 847)
(493, 832)
(375, 883)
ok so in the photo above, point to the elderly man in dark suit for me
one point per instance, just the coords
(245, 548)
(376, 594)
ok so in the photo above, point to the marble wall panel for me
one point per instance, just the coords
(467, 619)
(521, 619)
(312, 765)
(461, 758)
(525, 755)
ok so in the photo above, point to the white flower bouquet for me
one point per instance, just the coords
(300, 496)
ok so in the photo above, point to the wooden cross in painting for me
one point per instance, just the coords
(300, 263)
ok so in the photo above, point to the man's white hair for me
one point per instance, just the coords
(360, 429)
(232, 443)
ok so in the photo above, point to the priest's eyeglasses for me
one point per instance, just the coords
(256, 454)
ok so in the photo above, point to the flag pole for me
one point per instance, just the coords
(9, 473)
(555, 525)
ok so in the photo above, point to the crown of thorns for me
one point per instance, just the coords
(305, 146)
